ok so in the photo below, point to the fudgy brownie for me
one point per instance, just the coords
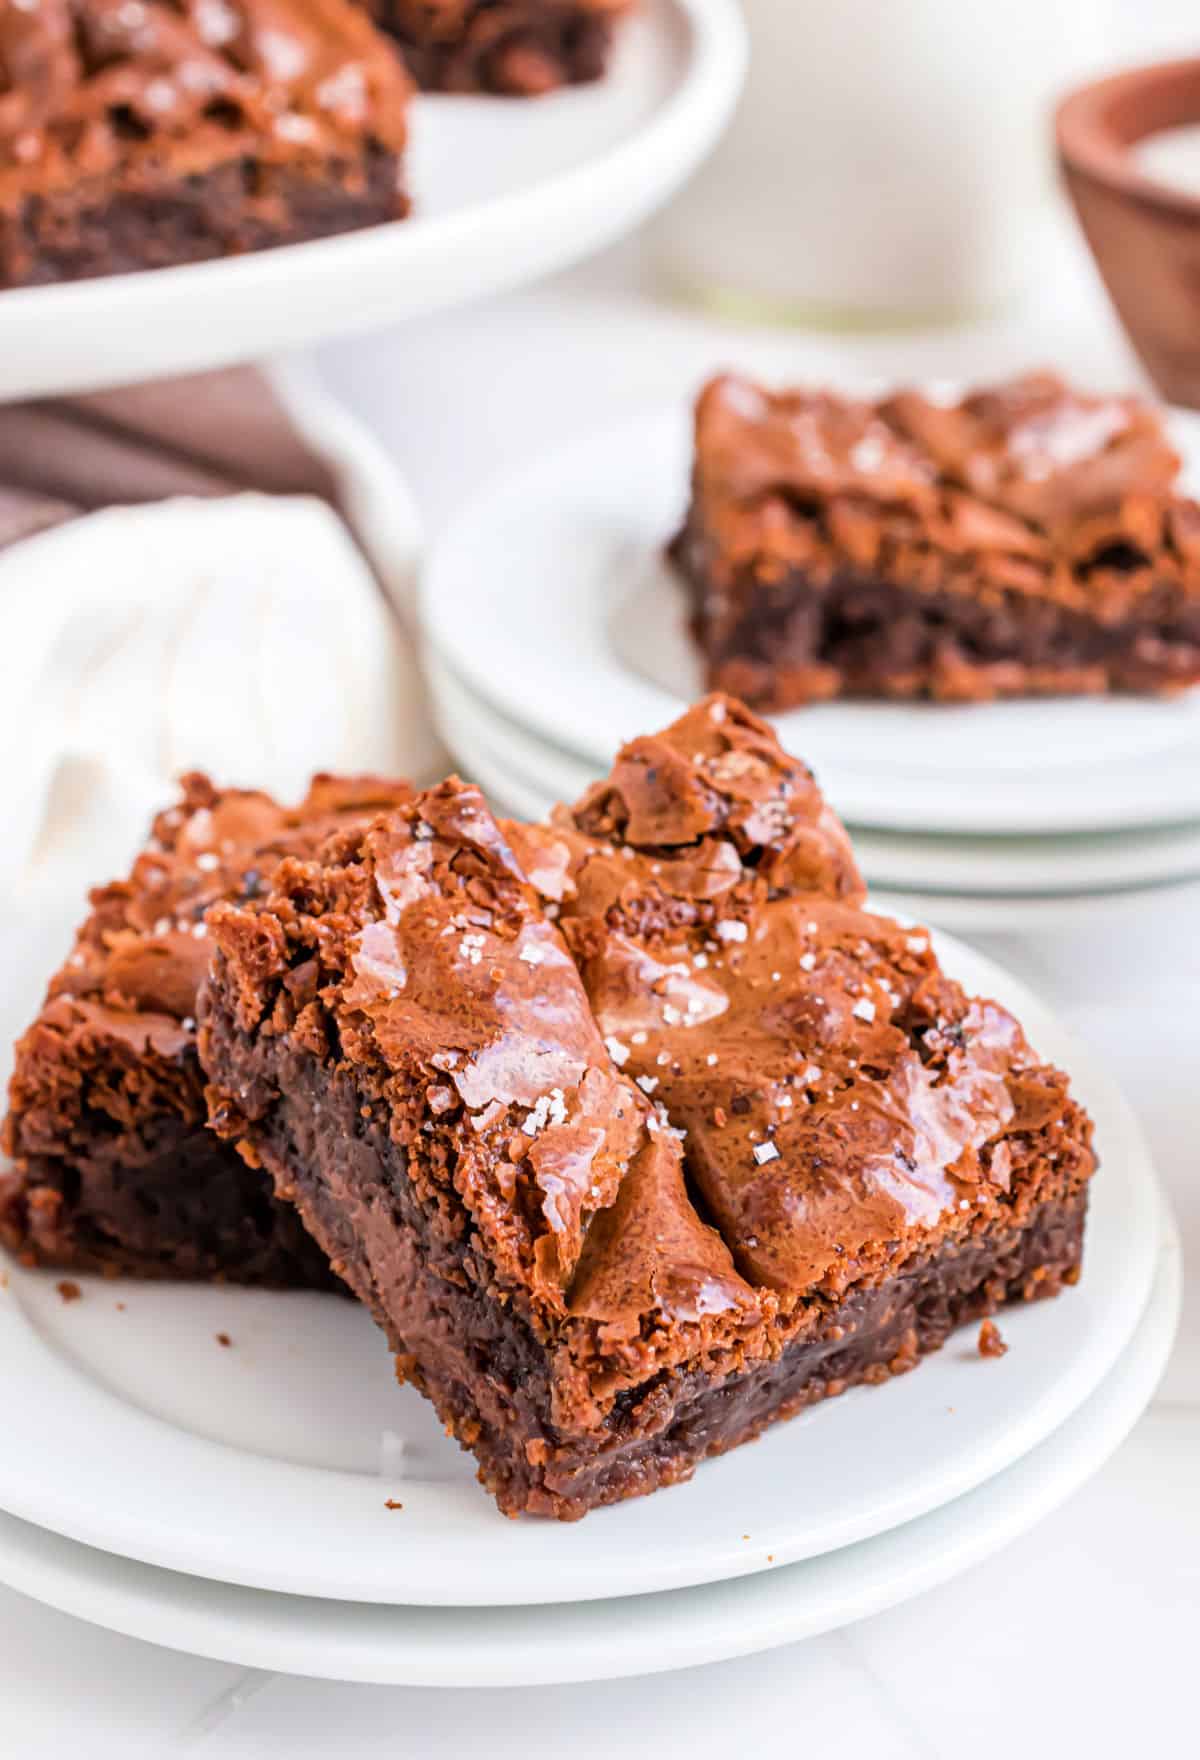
(1026, 540)
(113, 1169)
(516, 48)
(636, 1133)
(140, 133)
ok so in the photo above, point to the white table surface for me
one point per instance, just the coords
(1080, 1639)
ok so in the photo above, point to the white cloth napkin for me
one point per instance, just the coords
(243, 635)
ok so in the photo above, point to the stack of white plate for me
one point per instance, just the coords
(555, 630)
(235, 1473)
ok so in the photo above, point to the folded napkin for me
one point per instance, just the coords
(212, 573)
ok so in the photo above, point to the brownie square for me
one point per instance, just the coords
(113, 1168)
(1027, 540)
(637, 1132)
(136, 134)
(513, 48)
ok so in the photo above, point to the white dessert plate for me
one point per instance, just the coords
(533, 1646)
(551, 600)
(514, 763)
(964, 913)
(270, 1462)
(504, 192)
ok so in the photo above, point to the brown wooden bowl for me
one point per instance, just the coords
(1144, 235)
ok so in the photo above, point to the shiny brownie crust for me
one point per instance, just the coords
(135, 134)
(482, 1366)
(1026, 541)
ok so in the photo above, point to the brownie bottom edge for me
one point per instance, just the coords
(229, 210)
(177, 1205)
(797, 641)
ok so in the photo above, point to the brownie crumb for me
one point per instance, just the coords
(991, 1344)
(224, 1339)
(390, 1503)
(68, 1290)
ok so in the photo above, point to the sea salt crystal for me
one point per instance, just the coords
(764, 1152)
(711, 1059)
(618, 1052)
(549, 1109)
(647, 1084)
(864, 1009)
(531, 956)
(471, 949)
(729, 929)
(807, 961)
(206, 861)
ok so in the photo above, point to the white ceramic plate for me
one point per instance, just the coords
(504, 192)
(269, 1463)
(550, 600)
(530, 1646)
(520, 768)
(979, 914)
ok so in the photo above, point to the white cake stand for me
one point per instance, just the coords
(505, 192)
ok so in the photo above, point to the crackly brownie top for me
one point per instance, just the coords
(841, 1097)
(418, 953)
(716, 793)
(93, 87)
(142, 952)
(1030, 487)
(672, 1068)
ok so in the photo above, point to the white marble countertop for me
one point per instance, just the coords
(1080, 1638)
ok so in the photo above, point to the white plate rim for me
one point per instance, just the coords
(171, 1494)
(129, 326)
(532, 1646)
